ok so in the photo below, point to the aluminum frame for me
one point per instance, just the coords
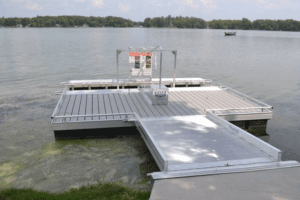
(223, 170)
(147, 49)
(59, 103)
(158, 155)
(246, 97)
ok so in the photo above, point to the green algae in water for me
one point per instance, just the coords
(7, 172)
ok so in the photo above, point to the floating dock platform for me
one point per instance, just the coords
(88, 109)
(192, 135)
(190, 129)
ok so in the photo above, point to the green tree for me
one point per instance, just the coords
(2, 21)
(246, 24)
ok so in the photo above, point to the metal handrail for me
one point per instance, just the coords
(207, 80)
(215, 109)
(225, 109)
(90, 83)
(148, 50)
(59, 102)
(228, 89)
(59, 92)
(94, 115)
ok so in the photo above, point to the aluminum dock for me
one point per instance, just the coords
(82, 109)
(189, 136)
(190, 129)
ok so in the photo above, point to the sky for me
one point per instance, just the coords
(138, 10)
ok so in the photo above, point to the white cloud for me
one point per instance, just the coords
(98, 3)
(206, 2)
(124, 7)
(272, 6)
(79, 0)
(277, 4)
(190, 3)
(262, 1)
(156, 3)
(33, 6)
(266, 4)
(208, 5)
(181, 9)
(18, 1)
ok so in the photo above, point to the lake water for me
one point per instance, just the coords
(33, 62)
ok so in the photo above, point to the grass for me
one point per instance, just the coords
(105, 191)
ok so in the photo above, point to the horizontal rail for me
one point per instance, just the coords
(59, 92)
(144, 50)
(224, 170)
(248, 113)
(126, 82)
(238, 94)
(93, 115)
(59, 103)
(247, 108)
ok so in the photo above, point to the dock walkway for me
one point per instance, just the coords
(190, 136)
(82, 109)
(278, 183)
(193, 142)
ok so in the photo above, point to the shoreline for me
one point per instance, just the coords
(154, 28)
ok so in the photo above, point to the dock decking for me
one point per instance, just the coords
(190, 136)
(85, 105)
(201, 142)
(191, 142)
(191, 132)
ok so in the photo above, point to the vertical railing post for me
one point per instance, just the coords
(175, 55)
(160, 69)
(118, 52)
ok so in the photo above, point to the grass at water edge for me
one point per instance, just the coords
(101, 191)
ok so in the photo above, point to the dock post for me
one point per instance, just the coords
(175, 55)
(160, 69)
(118, 52)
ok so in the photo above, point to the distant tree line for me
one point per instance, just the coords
(260, 24)
(66, 21)
(160, 22)
(175, 22)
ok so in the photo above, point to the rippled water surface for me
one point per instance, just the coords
(262, 64)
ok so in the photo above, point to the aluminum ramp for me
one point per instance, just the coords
(183, 143)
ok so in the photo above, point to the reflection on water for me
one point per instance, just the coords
(261, 64)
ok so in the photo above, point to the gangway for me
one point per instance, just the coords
(183, 143)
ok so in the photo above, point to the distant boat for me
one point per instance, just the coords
(230, 33)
